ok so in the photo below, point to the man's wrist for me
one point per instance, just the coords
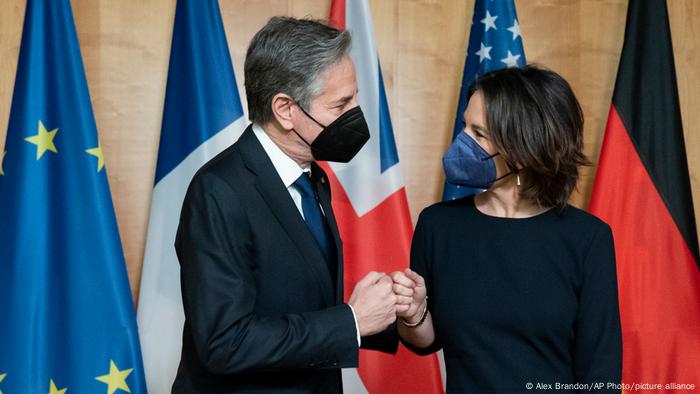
(357, 326)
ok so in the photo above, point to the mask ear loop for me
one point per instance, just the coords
(511, 172)
(503, 176)
(302, 138)
(308, 116)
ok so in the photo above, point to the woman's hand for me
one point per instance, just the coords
(410, 291)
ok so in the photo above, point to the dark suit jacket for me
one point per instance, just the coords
(261, 311)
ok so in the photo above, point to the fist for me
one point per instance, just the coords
(410, 291)
(374, 303)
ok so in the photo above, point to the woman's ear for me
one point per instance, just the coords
(282, 110)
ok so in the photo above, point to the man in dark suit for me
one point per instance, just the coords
(260, 254)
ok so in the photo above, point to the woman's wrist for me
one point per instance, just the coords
(417, 319)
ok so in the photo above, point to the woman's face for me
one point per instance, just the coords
(475, 127)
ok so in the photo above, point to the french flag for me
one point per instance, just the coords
(370, 204)
(202, 116)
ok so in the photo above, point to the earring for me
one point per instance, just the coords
(517, 177)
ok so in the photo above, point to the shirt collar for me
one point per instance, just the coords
(288, 169)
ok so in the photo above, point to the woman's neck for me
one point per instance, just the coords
(503, 200)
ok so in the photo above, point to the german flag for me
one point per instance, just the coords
(642, 189)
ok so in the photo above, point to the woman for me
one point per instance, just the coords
(522, 287)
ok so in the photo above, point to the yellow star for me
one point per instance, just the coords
(2, 377)
(54, 390)
(2, 157)
(97, 152)
(116, 379)
(43, 140)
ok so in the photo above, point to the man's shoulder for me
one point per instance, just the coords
(225, 173)
(229, 164)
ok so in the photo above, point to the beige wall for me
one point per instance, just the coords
(422, 43)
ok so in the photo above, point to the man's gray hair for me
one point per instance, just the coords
(288, 55)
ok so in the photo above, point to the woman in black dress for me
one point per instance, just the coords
(521, 287)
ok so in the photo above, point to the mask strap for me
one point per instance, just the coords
(302, 138)
(491, 157)
(503, 176)
(309, 116)
(509, 173)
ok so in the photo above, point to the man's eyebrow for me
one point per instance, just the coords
(344, 100)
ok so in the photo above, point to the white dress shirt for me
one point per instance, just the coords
(289, 171)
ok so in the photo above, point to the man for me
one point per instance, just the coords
(260, 254)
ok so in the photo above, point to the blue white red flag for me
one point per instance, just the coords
(369, 201)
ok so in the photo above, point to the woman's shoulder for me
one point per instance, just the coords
(447, 209)
(581, 227)
(580, 218)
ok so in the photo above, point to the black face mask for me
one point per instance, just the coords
(341, 140)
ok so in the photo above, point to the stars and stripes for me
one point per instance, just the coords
(495, 42)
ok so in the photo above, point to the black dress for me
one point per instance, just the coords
(516, 302)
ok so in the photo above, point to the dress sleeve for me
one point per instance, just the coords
(421, 262)
(598, 336)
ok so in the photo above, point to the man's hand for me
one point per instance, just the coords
(410, 291)
(374, 303)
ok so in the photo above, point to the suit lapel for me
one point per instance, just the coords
(277, 197)
(324, 196)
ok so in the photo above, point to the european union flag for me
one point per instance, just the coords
(68, 321)
(494, 42)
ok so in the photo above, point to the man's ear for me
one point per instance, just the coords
(282, 110)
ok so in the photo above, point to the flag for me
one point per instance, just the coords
(369, 201)
(494, 42)
(202, 116)
(68, 320)
(642, 190)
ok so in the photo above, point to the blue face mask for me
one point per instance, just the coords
(466, 163)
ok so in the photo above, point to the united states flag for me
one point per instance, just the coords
(494, 42)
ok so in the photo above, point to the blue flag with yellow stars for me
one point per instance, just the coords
(68, 322)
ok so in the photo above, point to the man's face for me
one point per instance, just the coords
(338, 95)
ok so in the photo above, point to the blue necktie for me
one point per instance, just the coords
(316, 222)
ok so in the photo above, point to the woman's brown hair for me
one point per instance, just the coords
(536, 123)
